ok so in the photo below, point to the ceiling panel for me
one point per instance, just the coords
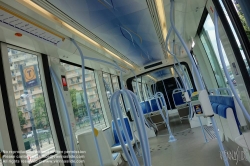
(125, 25)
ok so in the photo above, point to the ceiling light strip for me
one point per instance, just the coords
(161, 14)
(151, 77)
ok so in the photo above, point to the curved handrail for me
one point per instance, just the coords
(225, 89)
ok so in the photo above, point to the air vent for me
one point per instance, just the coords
(153, 65)
(21, 25)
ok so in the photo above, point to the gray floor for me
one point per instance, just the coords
(188, 150)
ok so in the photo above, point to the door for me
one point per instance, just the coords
(6, 139)
(27, 106)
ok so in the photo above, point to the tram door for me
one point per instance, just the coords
(5, 143)
(60, 75)
(32, 125)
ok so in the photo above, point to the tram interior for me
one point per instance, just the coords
(51, 109)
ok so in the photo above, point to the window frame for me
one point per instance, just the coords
(234, 45)
(202, 32)
(98, 95)
(112, 86)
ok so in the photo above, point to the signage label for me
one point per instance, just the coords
(29, 76)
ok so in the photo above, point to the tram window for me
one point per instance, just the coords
(145, 91)
(134, 87)
(140, 91)
(246, 28)
(209, 42)
(79, 107)
(116, 86)
(35, 111)
(108, 85)
(242, 17)
(188, 77)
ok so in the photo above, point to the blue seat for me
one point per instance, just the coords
(222, 110)
(154, 104)
(178, 98)
(117, 142)
(145, 107)
(215, 106)
(226, 101)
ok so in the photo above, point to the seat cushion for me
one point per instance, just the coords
(222, 110)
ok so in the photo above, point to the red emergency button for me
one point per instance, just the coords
(64, 81)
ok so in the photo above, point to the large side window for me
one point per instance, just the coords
(108, 85)
(30, 103)
(116, 86)
(74, 79)
(209, 42)
(135, 90)
(245, 26)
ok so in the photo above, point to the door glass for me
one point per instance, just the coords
(108, 85)
(116, 86)
(242, 17)
(209, 42)
(137, 90)
(211, 53)
(31, 107)
(189, 83)
(74, 79)
(245, 26)
(145, 91)
(140, 91)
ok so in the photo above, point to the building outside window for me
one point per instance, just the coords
(78, 103)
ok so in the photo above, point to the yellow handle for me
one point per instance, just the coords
(96, 132)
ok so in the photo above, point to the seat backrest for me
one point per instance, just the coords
(86, 143)
(126, 121)
(215, 106)
(177, 97)
(228, 120)
(154, 104)
(225, 101)
(145, 107)
(109, 136)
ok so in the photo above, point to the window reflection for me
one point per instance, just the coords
(209, 42)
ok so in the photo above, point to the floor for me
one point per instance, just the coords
(189, 149)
